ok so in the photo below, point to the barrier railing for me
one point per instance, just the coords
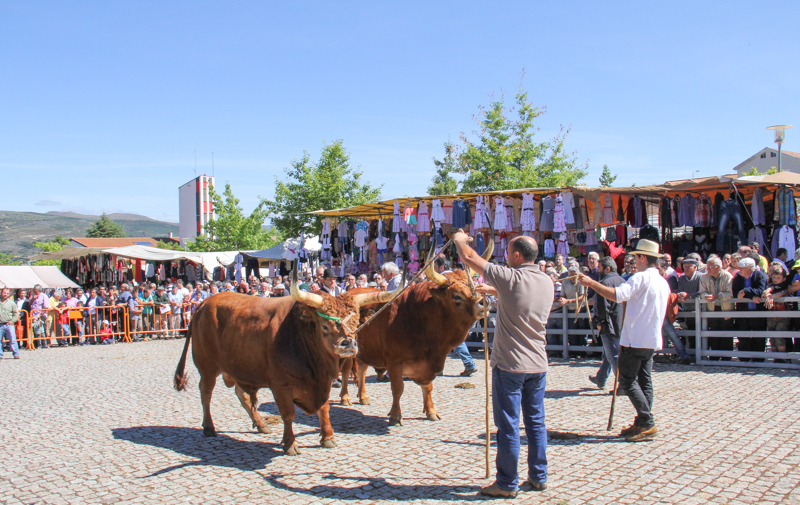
(699, 316)
(149, 319)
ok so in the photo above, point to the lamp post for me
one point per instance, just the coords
(780, 135)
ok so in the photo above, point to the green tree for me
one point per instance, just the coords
(754, 171)
(606, 179)
(330, 183)
(230, 229)
(105, 228)
(172, 246)
(8, 259)
(506, 154)
(443, 183)
(56, 244)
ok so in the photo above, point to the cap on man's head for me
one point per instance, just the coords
(327, 274)
(690, 261)
(280, 286)
(747, 263)
(159, 288)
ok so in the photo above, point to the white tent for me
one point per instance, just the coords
(19, 277)
(285, 251)
(209, 260)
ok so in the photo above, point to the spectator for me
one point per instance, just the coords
(279, 290)
(701, 267)
(715, 290)
(40, 303)
(264, 290)
(726, 262)
(630, 267)
(560, 267)
(186, 309)
(80, 327)
(106, 335)
(126, 298)
(668, 258)
(749, 283)
(363, 277)
(777, 288)
(52, 327)
(162, 311)
(9, 315)
(782, 256)
(668, 330)
(329, 284)
(24, 307)
(391, 272)
(688, 289)
(569, 291)
(146, 303)
(81, 296)
(763, 264)
(213, 290)
(176, 306)
(63, 320)
(609, 320)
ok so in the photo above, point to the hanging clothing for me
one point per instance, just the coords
(608, 210)
(423, 218)
(620, 210)
(517, 202)
(509, 204)
(396, 219)
(548, 208)
(704, 210)
(559, 224)
(784, 237)
(437, 214)
(569, 202)
(563, 246)
(480, 220)
(549, 248)
(528, 218)
(688, 206)
(759, 235)
(447, 208)
(500, 220)
(785, 207)
(757, 208)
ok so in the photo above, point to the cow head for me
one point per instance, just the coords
(457, 288)
(337, 317)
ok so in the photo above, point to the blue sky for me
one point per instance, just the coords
(102, 103)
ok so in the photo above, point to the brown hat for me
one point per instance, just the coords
(647, 247)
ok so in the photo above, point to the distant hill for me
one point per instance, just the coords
(19, 230)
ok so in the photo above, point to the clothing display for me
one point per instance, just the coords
(559, 223)
(608, 210)
(500, 221)
(548, 208)
(423, 218)
(528, 219)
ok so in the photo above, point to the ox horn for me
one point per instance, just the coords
(312, 299)
(363, 299)
(430, 273)
(487, 253)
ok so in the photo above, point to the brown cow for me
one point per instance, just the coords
(291, 345)
(415, 334)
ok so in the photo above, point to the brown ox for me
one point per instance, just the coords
(291, 345)
(414, 335)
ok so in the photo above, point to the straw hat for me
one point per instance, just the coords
(647, 247)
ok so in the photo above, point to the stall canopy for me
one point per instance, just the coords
(284, 251)
(19, 277)
(745, 185)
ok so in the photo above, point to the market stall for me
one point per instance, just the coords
(26, 277)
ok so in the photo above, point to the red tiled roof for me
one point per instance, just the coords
(792, 154)
(112, 242)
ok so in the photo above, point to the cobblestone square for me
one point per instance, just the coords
(102, 424)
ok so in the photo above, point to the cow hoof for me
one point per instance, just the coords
(364, 401)
(292, 451)
(433, 416)
(209, 432)
(395, 421)
(264, 429)
(346, 402)
(329, 444)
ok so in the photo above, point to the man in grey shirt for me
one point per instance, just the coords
(519, 359)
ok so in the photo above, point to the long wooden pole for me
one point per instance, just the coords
(486, 374)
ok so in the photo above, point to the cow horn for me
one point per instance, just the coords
(487, 253)
(312, 299)
(363, 299)
(430, 273)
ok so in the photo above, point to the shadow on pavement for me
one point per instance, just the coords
(343, 419)
(221, 450)
(379, 489)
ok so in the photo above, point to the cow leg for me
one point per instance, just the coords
(344, 394)
(427, 402)
(325, 428)
(396, 376)
(285, 402)
(207, 383)
(361, 380)
(249, 401)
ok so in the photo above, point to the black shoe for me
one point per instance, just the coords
(685, 361)
(384, 378)
(336, 383)
(593, 380)
(468, 372)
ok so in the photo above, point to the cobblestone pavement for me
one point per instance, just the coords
(102, 425)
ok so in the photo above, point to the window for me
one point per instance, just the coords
(763, 155)
(773, 155)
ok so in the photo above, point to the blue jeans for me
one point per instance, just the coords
(669, 331)
(8, 330)
(510, 391)
(462, 352)
(730, 210)
(610, 355)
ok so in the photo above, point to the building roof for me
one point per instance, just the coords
(113, 242)
(745, 165)
(791, 153)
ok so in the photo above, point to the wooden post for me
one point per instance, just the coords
(486, 374)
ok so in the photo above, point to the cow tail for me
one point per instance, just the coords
(180, 374)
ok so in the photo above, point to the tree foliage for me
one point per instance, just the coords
(443, 182)
(606, 178)
(329, 183)
(230, 229)
(172, 246)
(754, 171)
(105, 228)
(507, 154)
(8, 259)
(56, 244)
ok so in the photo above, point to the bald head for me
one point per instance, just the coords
(522, 249)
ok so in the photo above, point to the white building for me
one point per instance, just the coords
(767, 158)
(196, 207)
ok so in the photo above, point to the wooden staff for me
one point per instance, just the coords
(486, 364)
(616, 376)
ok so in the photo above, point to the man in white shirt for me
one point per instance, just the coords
(646, 294)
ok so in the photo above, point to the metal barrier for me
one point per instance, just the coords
(145, 321)
(699, 316)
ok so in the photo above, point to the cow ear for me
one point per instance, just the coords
(306, 315)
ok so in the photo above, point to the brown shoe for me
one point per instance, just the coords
(643, 434)
(529, 485)
(630, 430)
(496, 492)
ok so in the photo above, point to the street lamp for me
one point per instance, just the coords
(780, 135)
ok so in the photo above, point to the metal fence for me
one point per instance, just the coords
(563, 323)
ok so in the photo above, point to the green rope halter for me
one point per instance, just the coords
(337, 319)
